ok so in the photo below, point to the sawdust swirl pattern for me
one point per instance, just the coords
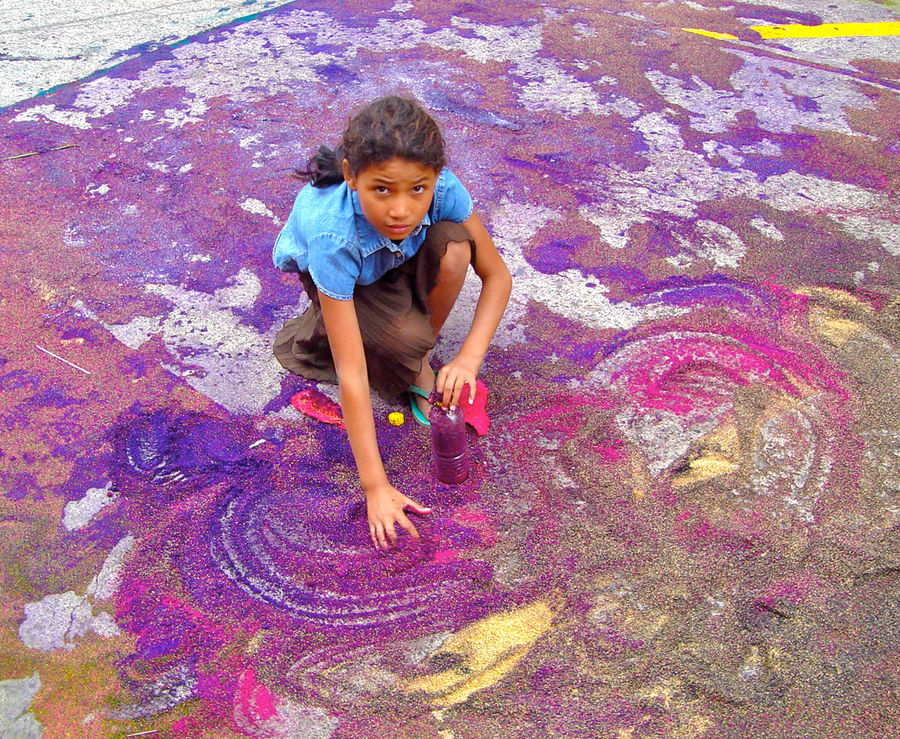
(278, 547)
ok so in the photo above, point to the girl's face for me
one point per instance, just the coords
(394, 195)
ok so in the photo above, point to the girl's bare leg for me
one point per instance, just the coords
(450, 280)
(441, 300)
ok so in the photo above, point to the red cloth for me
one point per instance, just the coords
(315, 404)
(476, 413)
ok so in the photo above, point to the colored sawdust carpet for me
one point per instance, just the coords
(683, 520)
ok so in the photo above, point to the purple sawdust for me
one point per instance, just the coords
(296, 560)
(777, 16)
(443, 101)
(19, 380)
(555, 255)
(303, 551)
(692, 465)
(712, 290)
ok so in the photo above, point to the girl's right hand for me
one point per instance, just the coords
(387, 507)
(453, 377)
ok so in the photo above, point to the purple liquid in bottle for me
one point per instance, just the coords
(448, 441)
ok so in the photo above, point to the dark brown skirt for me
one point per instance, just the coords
(393, 319)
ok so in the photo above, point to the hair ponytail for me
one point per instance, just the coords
(323, 169)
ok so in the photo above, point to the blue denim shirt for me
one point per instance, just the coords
(328, 236)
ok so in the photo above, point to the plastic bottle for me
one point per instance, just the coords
(448, 441)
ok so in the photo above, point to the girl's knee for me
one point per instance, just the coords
(457, 258)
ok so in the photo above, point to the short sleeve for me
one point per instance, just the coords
(334, 266)
(452, 200)
(287, 254)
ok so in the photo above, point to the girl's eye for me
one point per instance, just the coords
(419, 189)
(381, 190)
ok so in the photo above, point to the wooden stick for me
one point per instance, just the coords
(35, 153)
(56, 356)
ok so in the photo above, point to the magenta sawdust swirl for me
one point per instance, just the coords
(303, 551)
(738, 358)
(238, 540)
(700, 478)
(724, 425)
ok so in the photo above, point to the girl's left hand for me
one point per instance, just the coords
(453, 377)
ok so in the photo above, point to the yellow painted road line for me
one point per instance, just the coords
(829, 30)
(826, 30)
(711, 34)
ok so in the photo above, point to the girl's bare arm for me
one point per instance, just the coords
(496, 285)
(384, 502)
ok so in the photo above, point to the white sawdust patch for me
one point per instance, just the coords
(216, 353)
(252, 205)
(72, 119)
(677, 180)
(78, 513)
(59, 620)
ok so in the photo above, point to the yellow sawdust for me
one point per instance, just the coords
(484, 652)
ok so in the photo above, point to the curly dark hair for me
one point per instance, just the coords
(389, 127)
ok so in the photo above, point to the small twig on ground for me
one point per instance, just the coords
(56, 356)
(35, 153)
(143, 733)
